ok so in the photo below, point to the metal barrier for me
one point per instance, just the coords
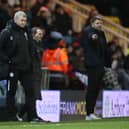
(45, 78)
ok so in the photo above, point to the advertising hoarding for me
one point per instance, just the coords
(72, 105)
(115, 104)
(49, 107)
(66, 105)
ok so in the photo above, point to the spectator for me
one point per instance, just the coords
(118, 66)
(62, 21)
(36, 9)
(76, 67)
(94, 44)
(56, 60)
(44, 17)
(37, 49)
(112, 45)
(4, 16)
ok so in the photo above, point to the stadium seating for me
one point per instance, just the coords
(112, 27)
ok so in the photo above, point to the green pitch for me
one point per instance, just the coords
(118, 123)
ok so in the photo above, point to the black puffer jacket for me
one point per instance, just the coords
(15, 47)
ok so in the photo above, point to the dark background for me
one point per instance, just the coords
(119, 8)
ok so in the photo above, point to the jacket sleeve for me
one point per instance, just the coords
(64, 61)
(4, 39)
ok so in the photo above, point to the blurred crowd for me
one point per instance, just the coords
(52, 26)
(118, 8)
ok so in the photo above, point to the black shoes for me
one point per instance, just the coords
(37, 119)
(33, 120)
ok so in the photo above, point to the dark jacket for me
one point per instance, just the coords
(37, 50)
(94, 50)
(15, 47)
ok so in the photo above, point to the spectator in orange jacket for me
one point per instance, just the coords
(56, 60)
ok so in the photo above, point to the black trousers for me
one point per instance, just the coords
(94, 85)
(27, 82)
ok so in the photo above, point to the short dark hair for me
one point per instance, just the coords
(95, 18)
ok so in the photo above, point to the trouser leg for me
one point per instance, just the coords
(29, 106)
(11, 91)
(94, 85)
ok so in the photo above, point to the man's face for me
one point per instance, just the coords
(97, 24)
(21, 21)
(39, 35)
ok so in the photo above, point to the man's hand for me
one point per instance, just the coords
(94, 36)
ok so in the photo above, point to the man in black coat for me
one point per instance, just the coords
(94, 44)
(37, 49)
(15, 49)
